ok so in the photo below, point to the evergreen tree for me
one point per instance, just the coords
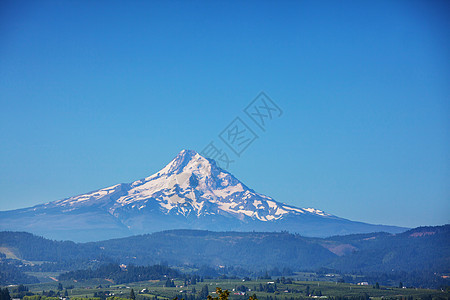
(204, 292)
(168, 283)
(132, 295)
(4, 294)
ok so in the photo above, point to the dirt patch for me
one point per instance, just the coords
(420, 234)
(341, 249)
(9, 253)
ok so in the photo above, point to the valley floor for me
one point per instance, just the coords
(263, 289)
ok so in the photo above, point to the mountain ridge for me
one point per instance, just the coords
(189, 192)
(422, 252)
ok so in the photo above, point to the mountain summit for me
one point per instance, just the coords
(190, 192)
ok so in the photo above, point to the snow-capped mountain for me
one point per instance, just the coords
(190, 185)
(190, 192)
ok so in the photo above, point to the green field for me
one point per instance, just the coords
(296, 290)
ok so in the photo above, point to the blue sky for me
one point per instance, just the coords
(95, 93)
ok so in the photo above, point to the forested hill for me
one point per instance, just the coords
(424, 248)
(247, 250)
(30, 247)
(119, 275)
(180, 247)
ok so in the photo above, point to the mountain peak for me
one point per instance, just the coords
(181, 160)
(188, 160)
(186, 154)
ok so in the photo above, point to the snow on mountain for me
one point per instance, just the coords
(189, 185)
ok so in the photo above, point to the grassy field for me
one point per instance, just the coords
(283, 291)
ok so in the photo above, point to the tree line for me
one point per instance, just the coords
(121, 274)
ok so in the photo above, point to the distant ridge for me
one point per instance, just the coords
(190, 192)
(424, 251)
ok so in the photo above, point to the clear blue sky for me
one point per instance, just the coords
(94, 93)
